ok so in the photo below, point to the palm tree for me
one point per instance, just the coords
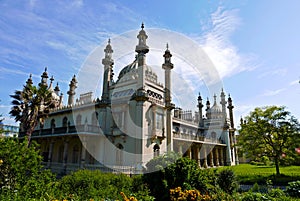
(31, 106)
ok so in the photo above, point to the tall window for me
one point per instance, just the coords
(78, 120)
(65, 122)
(75, 154)
(119, 154)
(156, 150)
(159, 121)
(95, 118)
(60, 153)
(52, 123)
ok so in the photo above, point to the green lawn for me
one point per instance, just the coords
(250, 174)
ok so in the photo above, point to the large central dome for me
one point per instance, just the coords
(130, 72)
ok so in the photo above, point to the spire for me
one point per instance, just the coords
(207, 104)
(51, 81)
(230, 108)
(200, 106)
(71, 91)
(108, 63)
(29, 81)
(56, 89)
(142, 46)
(215, 99)
(44, 77)
(108, 51)
(167, 57)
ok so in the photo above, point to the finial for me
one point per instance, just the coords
(30, 76)
(51, 79)
(142, 25)
(167, 46)
(45, 69)
(109, 41)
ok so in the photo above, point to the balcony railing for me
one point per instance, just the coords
(65, 130)
(197, 138)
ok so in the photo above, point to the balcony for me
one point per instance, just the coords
(198, 138)
(94, 129)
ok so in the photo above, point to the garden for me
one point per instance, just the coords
(23, 178)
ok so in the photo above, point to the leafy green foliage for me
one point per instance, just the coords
(20, 170)
(293, 189)
(177, 172)
(87, 184)
(227, 181)
(269, 131)
(30, 106)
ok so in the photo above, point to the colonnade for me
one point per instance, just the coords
(206, 155)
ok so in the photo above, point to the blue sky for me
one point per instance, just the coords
(254, 45)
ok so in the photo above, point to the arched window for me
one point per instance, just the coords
(95, 118)
(213, 135)
(75, 154)
(119, 154)
(78, 120)
(156, 150)
(52, 123)
(65, 122)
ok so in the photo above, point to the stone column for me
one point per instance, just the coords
(83, 153)
(180, 148)
(217, 156)
(211, 158)
(50, 154)
(198, 154)
(205, 157)
(221, 156)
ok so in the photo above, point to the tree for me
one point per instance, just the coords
(269, 131)
(20, 169)
(31, 106)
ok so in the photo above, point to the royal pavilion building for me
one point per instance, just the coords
(133, 121)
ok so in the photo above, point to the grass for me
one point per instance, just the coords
(250, 174)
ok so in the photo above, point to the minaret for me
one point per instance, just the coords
(223, 104)
(142, 49)
(208, 109)
(200, 106)
(51, 81)
(29, 81)
(230, 108)
(168, 66)
(108, 71)
(232, 131)
(44, 78)
(56, 89)
(71, 91)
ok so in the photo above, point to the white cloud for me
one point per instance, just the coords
(216, 43)
(274, 72)
(295, 82)
(273, 92)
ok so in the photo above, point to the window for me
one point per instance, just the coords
(78, 120)
(60, 154)
(95, 118)
(118, 119)
(75, 154)
(53, 123)
(119, 154)
(65, 122)
(159, 121)
(156, 150)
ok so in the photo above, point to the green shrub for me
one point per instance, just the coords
(276, 193)
(293, 189)
(227, 181)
